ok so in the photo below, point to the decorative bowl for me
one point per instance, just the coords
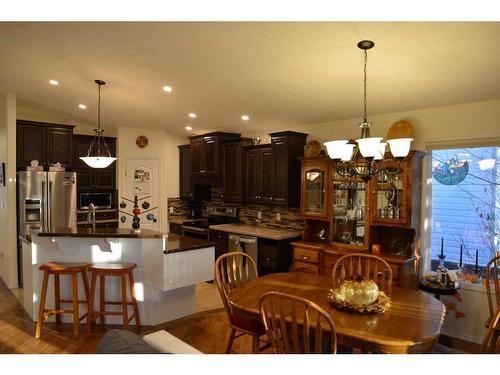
(381, 305)
(359, 291)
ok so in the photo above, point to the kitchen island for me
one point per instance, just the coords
(168, 267)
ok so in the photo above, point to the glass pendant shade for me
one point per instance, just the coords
(98, 162)
(335, 149)
(381, 151)
(369, 147)
(347, 152)
(400, 147)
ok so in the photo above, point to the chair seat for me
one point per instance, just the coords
(112, 267)
(248, 324)
(64, 267)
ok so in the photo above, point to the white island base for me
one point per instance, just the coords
(165, 277)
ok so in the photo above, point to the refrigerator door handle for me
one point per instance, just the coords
(49, 205)
(44, 206)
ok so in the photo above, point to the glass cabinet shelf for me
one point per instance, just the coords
(349, 210)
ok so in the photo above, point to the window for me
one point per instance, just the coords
(465, 206)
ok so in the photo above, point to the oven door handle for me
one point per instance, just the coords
(193, 229)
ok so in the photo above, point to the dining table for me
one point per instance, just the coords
(411, 324)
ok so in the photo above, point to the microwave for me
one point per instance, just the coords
(100, 200)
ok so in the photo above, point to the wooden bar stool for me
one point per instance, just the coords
(57, 269)
(121, 270)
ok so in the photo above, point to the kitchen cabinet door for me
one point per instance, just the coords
(231, 172)
(253, 175)
(267, 190)
(60, 146)
(211, 156)
(197, 157)
(85, 180)
(31, 144)
(185, 187)
(279, 172)
(104, 180)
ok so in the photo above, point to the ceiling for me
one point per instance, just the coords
(281, 74)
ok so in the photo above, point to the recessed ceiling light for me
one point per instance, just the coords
(245, 117)
(82, 106)
(53, 82)
(192, 115)
(189, 128)
(167, 88)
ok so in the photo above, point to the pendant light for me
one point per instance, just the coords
(372, 149)
(98, 155)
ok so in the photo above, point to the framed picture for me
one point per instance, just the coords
(2, 174)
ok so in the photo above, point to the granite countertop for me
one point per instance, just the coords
(99, 233)
(262, 232)
(182, 219)
(175, 243)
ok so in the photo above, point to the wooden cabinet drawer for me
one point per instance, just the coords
(305, 267)
(305, 255)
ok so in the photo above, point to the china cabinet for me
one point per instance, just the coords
(314, 197)
(345, 214)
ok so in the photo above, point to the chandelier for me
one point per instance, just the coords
(372, 149)
(98, 155)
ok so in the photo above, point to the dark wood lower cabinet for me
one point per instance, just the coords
(176, 228)
(221, 240)
(274, 256)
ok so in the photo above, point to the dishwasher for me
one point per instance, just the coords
(244, 244)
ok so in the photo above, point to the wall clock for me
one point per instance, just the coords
(141, 141)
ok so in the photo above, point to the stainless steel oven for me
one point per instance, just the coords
(100, 200)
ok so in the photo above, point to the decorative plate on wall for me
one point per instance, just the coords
(141, 141)
(451, 172)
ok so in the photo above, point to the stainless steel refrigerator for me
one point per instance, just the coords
(44, 200)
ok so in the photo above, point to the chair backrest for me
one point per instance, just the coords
(493, 291)
(296, 325)
(490, 340)
(232, 270)
(367, 265)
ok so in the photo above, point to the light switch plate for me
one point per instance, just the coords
(259, 214)
(278, 216)
(171, 209)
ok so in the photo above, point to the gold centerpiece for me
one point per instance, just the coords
(359, 295)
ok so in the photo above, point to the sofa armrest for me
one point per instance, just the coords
(164, 342)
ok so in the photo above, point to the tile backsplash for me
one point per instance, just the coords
(248, 214)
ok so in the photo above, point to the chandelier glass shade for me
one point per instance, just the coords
(98, 155)
(372, 149)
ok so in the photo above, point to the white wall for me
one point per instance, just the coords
(8, 239)
(162, 146)
(455, 122)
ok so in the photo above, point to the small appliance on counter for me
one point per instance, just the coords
(216, 215)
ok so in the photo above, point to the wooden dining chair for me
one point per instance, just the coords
(296, 325)
(232, 270)
(490, 342)
(492, 278)
(367, 265)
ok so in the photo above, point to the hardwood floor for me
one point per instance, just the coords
(206, 330)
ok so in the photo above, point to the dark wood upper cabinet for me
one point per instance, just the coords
(232, 170)
(45, 142)
(185, 187)
(257, 168)
(60, 146)
(196, 157)
(206, 158)
(93, 179)
(272, 172)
